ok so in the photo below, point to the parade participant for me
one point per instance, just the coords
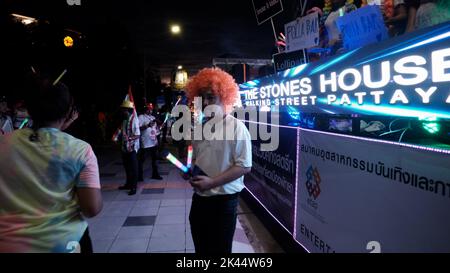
(21, 116)
(395, 16)
(332, 10)
(130, 135)
(411, 6)
(214, 203)
(149, 142)
(49, 180)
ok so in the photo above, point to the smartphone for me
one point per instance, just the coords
(197, 171)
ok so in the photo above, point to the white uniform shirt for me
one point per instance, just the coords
(130, 131)
(216, 156)
(149, 135)
(6, 125)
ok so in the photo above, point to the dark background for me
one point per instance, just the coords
(118, 43)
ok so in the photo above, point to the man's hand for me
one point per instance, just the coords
(202, 183)
(184, 175)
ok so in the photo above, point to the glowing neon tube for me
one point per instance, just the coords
(60, 77)
(23, 123)
(178, 101)
(189, 157)
(177, 163)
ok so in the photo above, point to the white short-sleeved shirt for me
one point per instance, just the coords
(6, 125)
(149, 135)
(130, 128)
(216, 156)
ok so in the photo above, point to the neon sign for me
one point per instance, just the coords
(410, 73)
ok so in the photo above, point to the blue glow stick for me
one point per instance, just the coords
(23, 123)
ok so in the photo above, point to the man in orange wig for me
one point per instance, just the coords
(224, 161)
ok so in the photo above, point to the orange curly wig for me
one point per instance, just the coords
(218, 81)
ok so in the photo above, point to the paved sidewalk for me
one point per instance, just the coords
(153, 220)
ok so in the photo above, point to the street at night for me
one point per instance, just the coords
(212, 129)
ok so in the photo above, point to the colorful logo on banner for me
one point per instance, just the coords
(313, 182)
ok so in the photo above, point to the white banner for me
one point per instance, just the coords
(302, 33)
(358, 195)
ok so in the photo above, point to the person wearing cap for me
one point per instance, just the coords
(225, 158)
(130, 135)
(149, 142)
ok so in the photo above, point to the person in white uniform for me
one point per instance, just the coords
(149, 143)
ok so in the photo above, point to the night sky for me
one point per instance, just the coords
(122, 36)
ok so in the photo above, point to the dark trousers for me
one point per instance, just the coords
(142, 155)
(213, 222)
(131, 168)
(86, 243)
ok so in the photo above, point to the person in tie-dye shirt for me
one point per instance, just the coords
(49, 180)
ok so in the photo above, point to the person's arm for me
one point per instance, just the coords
(242, 155)
(135, 130)
(88, 186)
(90, 201)
(146, 126)
(401, 16)
(73, 116)
(203, 183)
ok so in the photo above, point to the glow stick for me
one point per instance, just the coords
(189, 157)
(178, 101)
(32, 69)
(60, 76)
(177, 163)
(167, 117)
(23, 123)
(115, 137)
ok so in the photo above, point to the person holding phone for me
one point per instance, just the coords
(224, 160)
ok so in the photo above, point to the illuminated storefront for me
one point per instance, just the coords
(363, 161)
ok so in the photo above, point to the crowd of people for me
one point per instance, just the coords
(50, 184)
(400, 16)
(15, 118)
(49, 179)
